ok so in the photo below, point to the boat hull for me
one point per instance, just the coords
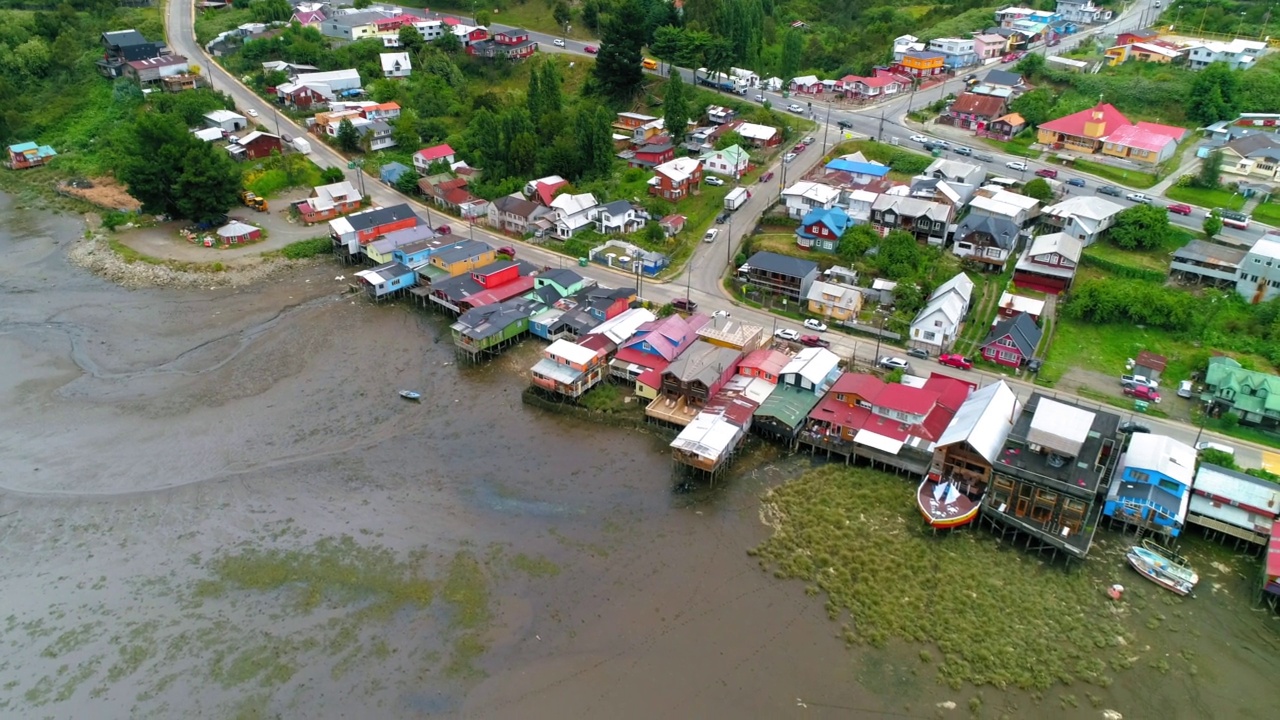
(945, 515)
(1149, 571)
(410, 395)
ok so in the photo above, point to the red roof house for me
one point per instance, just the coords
(424, 157)
(1083, 131)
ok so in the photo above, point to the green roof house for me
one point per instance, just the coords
(1253, 395)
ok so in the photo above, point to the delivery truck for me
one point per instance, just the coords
(736, 199)
(302, 146)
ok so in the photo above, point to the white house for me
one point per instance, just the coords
(1259, 278)
(395, 65)
(573, 213)
(226, 120)
(956, 171)
(616, 217)
(936, 327)
(805, 196)
(1082, 11)
(748, 78)
(1238, 54)
(858, 204)
(1002, 203)
(758, 135)
(732, 161)
(905, 44)
(1083, 217)
(336, 80)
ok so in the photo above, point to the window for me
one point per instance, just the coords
(1008, 356)
(1139, 476)
(1170, 486)
(929, 335)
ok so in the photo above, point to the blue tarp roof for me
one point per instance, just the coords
(861, 168)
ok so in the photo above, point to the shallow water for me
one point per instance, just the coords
(149, 431)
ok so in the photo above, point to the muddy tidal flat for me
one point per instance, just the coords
(213, 504)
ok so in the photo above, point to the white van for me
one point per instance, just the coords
(1209, 445)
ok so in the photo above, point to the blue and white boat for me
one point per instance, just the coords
(1173, 575)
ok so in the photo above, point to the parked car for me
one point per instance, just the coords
(711, 235)
(443, 230)
(1011, 57)
(799, 148)
(1142, 392)
(722, 218)
(251, 112)
(809, 140)
(1138, 380)
(720, 314)
(932, 145)
(815, 325)
(712, 180)
(814, 341)
(759, 97)
(1076, 182)
(1111, 190)
(591, 49)
(918, 353)
(786, 334)
(942, 143)
(797, 109)
(1130, 426)
(558, 42)
(1138, 198)
(788, 157)
(1179, 208)
(962, 150)
(844, 124)
(1034, 365)
(919, 138)
(684, 304)
(1184, 389)
(1210, 445)
(1016, 165)
(889, 362)
(984, 157)
(956, 360)
(507, 250)
(766, 177)
(1047, 173)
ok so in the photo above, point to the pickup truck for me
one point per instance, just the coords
(1047, 173)
(1135, 380)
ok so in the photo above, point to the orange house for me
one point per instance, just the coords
(922, 63)
(569, 369)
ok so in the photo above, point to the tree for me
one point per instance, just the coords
(792, 52)
(617, 73)
(908, 297)
(331, 175)
(1215, 94)
(561, 14)
(407, 183)
(361, 4)
(675, 106)
(654, 233)
(667, 42)
(448, 43)
(1210, 175)
(591, 14)
(348, 137)
(1031, 65)
(410, 39)
(533, 96)
(730, 139)
(856, 242)
(1140, 227)
(1212, 226)
(173, 172)
(1038, 189)
(552, 97)
(899, 256)
(1035, 106)
(404, 130)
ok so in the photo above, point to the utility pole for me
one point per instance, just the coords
(826, 128)
(880, 132)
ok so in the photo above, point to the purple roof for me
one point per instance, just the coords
(311, 16)
(668, 336)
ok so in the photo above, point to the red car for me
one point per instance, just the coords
(507, 250)
(443, 230)
(799, 148)
(766, 177)
(1179, 209)
(955, 360)
(814, 341)
(1142, 392)
(591, 49)
(1047, 173)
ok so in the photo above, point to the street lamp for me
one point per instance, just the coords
(1240, 25)
(1177, 18)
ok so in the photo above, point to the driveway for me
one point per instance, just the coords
(165, 240)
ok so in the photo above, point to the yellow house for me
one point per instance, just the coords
(1142, 52)
(833, 301)
(923, 62)
(1082, 131)
(465, 256)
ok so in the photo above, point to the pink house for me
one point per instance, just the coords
(988, 46)
(881, 84)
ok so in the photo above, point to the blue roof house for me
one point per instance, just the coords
(1152, 484)
(822, 228)
(862, 172)
(387, 280)
(391, 172)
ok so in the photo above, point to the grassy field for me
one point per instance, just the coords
(1267, 213)
(1131, 178)
(1105, 348)
(1020, 145)
(211, 22)
(1155, 259)
(1215, 198)
(855, 537)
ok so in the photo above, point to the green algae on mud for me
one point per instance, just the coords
(998, 616)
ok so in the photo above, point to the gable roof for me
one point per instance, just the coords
(959, 285)
(733, 155)
(1141, 138)
(950, 305)
(390, 60)
(858, 168)
(975, 104)
(984, 420)
(1058, 242)
(1162, 454)
(572, 204)
(516, 205)
(813, 364)
(1003, 78)
(679, 169)
(667, 336)
(1022, 329)
(433, 153)
(617, 207)
(1073, 124)
(1003, 231)
(782, 264)
(836, 219)
(1253, 142)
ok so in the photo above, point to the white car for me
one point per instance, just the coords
(942, 143)
(1210, 445)
(893, 363)
(760, 97)
(1138, 198)
(919, 139)
(711, 235)
(712, 180)
(813, 324)
(251, 112)
(788, 157)
(558, 42)
(786, 334)
(808, 140)
(797, 109)
(720, 314)
(1016, 165)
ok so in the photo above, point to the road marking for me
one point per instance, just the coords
(1270, 461)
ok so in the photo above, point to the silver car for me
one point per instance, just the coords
(893, 363)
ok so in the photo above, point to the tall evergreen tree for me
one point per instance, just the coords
(348, 137)
(485, 139)
(533, 97)
(552, 98)
(675, 107)
(792, 52)
(617, 73)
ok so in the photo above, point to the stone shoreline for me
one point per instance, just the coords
(95, 254)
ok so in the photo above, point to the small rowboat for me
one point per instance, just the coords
(1160, 570)
(410, 395)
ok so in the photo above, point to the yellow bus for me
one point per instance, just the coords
(650, 64)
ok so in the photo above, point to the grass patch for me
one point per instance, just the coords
(855, 535)
(466, 590)
(311, 247)
(1206, 198)
(130, 255)
(535, 566)
(1155, 259)
(1106, 348)
(1267, 213)
(1020, 145)
(211, 22)
(1131, 178)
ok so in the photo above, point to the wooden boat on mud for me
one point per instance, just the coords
(1173, 576)
(945, 504)
(410, 395)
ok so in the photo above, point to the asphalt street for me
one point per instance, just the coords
(701, 281)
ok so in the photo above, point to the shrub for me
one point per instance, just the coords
(303, 249)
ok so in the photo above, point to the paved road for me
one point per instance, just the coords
(701, 280)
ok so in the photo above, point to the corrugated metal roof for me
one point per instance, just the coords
(984, 420)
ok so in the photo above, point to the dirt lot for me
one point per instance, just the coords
(165, 240)
(105, 192)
